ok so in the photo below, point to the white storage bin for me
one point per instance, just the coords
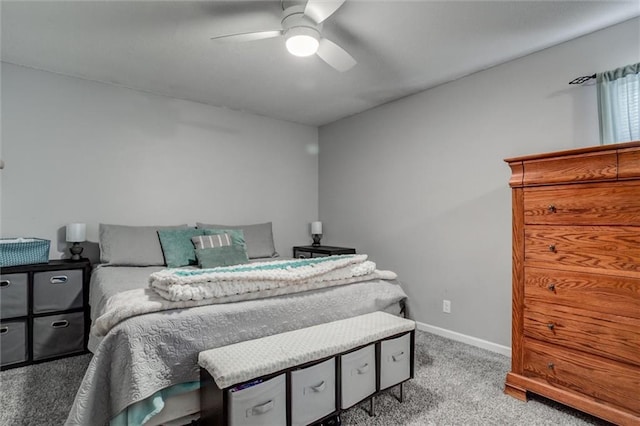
(313, 392)
(259, 405)
(358, 375)
(395, 361)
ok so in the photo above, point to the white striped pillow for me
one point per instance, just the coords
(211, 241)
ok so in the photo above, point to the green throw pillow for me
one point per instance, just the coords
(177, 246)
(234, 254)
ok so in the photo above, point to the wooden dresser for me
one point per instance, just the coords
(576, 279)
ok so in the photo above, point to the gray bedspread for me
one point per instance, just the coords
(150, 352)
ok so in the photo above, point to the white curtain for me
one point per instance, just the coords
(619, 104)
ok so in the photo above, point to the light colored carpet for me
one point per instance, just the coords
(455, 384)
(40, 394)
(459, 384)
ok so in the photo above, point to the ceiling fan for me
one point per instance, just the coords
(301, 26)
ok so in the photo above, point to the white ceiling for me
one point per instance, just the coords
(402, 47)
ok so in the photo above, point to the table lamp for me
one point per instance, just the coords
(76, 233)
(316, 233)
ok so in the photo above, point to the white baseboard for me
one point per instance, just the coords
(470, 340)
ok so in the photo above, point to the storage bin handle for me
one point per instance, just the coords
(261, 409)
(60, 324)
(4, 330)
(363, 369)
(58, 279)
(319, 387)
(5, 283)
(398, 357)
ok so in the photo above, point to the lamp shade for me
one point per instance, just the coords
(76, 232)
(316, 227)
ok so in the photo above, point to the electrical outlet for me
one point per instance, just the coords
(446, 306)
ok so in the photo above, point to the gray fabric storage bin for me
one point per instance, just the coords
(55, 335)
(13, 295)
(358, 375)
(57, 290)
(13, 342)
(261, 404)
(313, 392)
(395, 361)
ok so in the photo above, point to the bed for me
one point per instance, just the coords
(149, 360)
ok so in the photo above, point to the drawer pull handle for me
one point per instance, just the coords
(551, 326)
(397, 357)
(550, 366)
(319, 387)
(551, 208)
(261, 409)
(552, 248)
(58, 279)
(363, 369)
(551, 287)
(5, 283)
(60, 324)
(4, 330)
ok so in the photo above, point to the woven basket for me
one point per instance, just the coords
(23, 251)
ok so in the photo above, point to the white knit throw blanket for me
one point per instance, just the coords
(184, 284)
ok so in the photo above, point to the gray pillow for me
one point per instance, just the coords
(258, 237)
(132, 245)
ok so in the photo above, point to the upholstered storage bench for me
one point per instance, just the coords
(303, 376)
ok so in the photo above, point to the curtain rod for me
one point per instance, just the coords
(580, 80)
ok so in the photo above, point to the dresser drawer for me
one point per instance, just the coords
(13, 342)
(592, 204)
(611, 336)
(596, 166)
(358, 375)
(57, 290)
(313, 392)
(607, 248)
(261, 404)
(13, 295)
(629, 163)
(55, 335)
(395, 361)
(598, 293)
(604, 380)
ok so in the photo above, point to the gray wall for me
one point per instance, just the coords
(81, 151)
(420, 185)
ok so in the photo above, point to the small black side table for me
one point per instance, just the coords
(320, 251)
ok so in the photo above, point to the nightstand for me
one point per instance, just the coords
(44, 313)
(320, 251)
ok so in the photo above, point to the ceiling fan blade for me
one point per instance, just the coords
(254, 35)
(335, 55)
(319, 10)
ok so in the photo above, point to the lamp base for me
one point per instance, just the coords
(316, 239)
(76, 250)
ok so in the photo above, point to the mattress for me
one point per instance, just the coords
(148, 353)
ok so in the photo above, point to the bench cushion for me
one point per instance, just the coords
(240, 362)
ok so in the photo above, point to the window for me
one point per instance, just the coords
(619, 104)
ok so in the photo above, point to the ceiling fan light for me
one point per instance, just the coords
(302, 41)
